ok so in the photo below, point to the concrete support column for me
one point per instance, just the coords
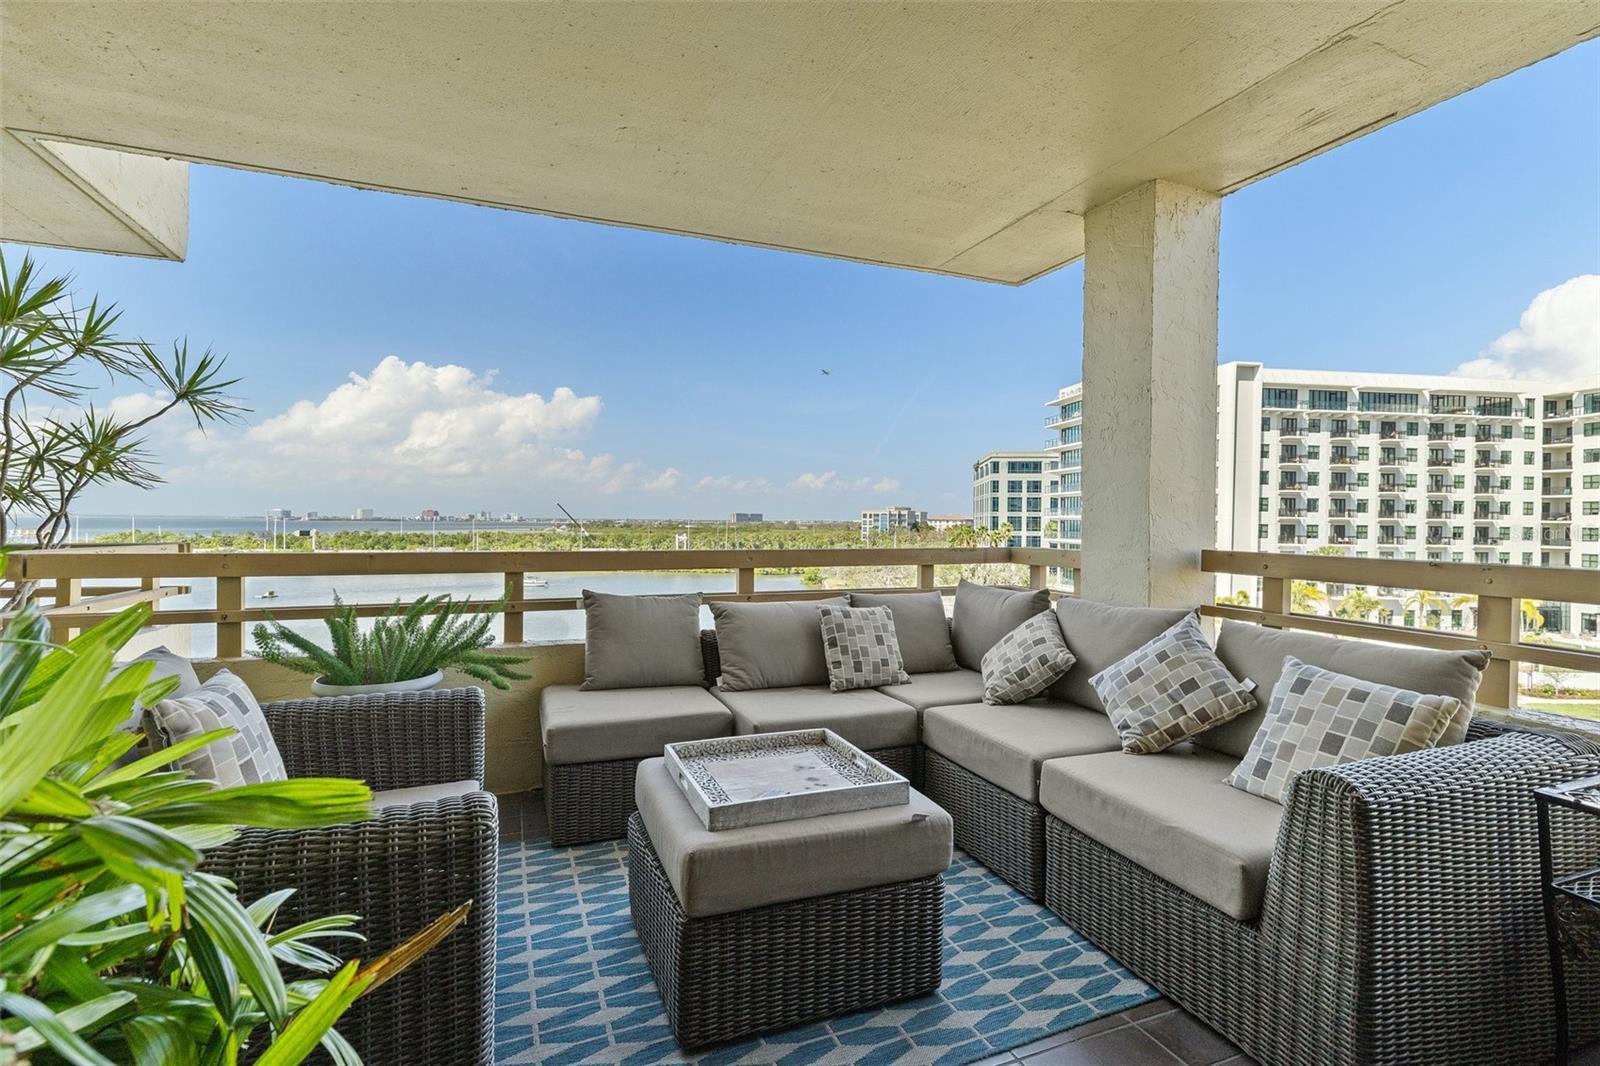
(1150, 395)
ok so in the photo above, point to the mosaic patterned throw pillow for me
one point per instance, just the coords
(1320, 718)
(861, 648)
(1026, 661)
(246, 758)
(1169, 689)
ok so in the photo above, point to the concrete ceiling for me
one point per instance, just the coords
(962, 138)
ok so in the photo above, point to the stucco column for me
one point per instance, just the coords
(1150, 395)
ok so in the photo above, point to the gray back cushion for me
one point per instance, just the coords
(919, 625)
(1257, 652)
(772, 645)
(1101, 635)
(641, 641)
(985, 613)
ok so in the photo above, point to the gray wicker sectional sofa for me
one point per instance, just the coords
(1386, 912)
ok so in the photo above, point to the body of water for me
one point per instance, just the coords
(89, 527)
(386, 588)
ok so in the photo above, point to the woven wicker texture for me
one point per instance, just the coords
(1402, 920)
(399, 871)
(1003, 832)
(591, 801)
(749, 972)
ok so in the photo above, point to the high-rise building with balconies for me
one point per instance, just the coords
(1011, 488)
(1388, 466)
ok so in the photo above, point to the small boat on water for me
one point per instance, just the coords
(270, 594)
(536, 583)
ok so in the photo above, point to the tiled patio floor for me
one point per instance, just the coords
(1152, 1034)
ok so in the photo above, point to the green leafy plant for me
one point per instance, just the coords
(53, 349)
(408, 642)
(114, 945)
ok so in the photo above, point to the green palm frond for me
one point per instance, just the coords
(407, 641)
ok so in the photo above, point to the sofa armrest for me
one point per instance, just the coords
(389, 740)
(1411, 884)
(397, 872)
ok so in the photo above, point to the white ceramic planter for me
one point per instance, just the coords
(415, 684)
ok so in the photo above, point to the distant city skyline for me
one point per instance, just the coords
(414, 353)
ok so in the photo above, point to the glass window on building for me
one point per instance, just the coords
(1330, 399)
(1280, 398)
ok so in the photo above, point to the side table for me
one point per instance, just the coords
(1571, 901)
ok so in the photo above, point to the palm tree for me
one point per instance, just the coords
(1532, 617)
(1237, 599)
(1357, 605)
(1423, 605)
(1306, 597)
(963, 537)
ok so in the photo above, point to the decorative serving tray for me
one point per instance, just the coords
(777, 777)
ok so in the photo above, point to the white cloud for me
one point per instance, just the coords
(137, 405)
(830, 481)
(728, 483)
(665, 481)
(809, 482)
(1557, 338)
(419, 426)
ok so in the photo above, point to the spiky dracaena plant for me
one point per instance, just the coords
(114, 945)
(412, 641)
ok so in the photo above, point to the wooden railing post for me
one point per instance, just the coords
(1276, 600)
(745, 580)
(1499, 621)
(230, 625)
(1038, 576)
(513, 620)
(925, 579)
(68, 590)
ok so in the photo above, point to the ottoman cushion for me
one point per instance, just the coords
(602, 725)
(738, 869)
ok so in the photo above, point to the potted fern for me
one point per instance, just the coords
(406, 650)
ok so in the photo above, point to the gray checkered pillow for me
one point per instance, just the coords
(1320, 718)
(1026, 661)
(248, 757)
(1169, 689)
(861, 648)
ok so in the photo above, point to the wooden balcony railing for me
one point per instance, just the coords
(61, 575)
(1499, 592)
(74, 579)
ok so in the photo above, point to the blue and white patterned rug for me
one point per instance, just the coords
(573, 987)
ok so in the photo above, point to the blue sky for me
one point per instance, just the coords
(694, 367)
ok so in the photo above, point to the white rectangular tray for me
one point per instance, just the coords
(732, 782)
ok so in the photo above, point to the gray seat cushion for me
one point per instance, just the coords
(737, 869)
(404, 797)
(641, 641)
(865, 717)
(1174, 815)
(1256, 653)
(920, 626)
(943, 689)
(771, 645)
(985, 613)
(1006, 745)
(1101, 635)
(601, 726)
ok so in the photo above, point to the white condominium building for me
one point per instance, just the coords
(1012, 488)
(1402, 466)
(885, 520)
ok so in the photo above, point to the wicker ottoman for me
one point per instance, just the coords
(752, 930)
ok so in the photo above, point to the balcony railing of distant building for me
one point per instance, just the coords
(78, 586)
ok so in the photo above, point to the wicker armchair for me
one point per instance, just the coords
(400, 870)
(1402, 921)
